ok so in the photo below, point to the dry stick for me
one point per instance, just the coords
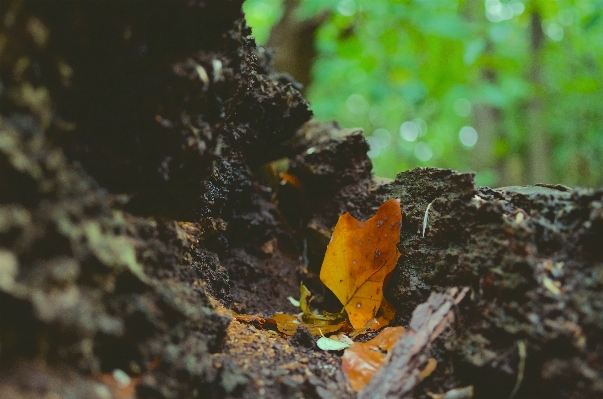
(400, 374)
(521, 348)
(426, 216)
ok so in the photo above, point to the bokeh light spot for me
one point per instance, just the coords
(468, 136)
(347, 7)
(462, 107)
(423, 152)
(357, 104)
(374, 147)
(383, 136)
(553, 30)
(409, 131)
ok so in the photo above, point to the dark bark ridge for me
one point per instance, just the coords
(531, 258)
(128, 135)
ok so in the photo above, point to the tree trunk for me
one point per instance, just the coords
(538, 140)
(293, 40)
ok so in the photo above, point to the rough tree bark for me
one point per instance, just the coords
(139, 206)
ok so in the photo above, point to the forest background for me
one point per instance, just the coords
(508, 89)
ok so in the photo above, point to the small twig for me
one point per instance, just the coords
(521, 348)
(426, 216)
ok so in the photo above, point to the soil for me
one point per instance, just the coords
(141, 207)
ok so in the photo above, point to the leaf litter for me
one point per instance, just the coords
(362, 360)
(359, 259)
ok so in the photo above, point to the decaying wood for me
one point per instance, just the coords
(401, 373)
(140, 145)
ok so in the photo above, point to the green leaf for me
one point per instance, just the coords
(328, 344)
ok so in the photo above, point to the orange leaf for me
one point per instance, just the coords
(285, 323)
(294, 181)
(288, 324)
(362, 360)
(258, 321)
(386, 314)
(359, 258)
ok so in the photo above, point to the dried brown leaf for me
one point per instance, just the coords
(359, 258)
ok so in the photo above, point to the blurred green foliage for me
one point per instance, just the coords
(461, 84)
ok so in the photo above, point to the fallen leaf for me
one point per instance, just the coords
(291, 179)
(288, 324)
(342, 337)
(285, 323)
(359, 258)
(362, 360)
(305, 297)
(388, 312)
(257, 321)
(293, 301)
(328, 344)
(385, 315)
(309, 317)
